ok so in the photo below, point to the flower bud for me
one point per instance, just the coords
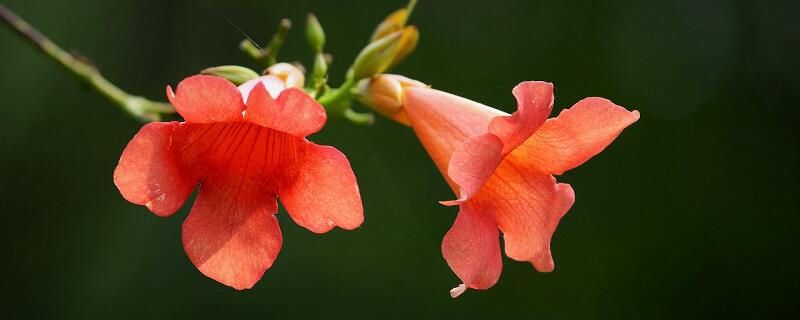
(315, 35)
(320, 67)
(376, 56)
(235, 74)
(392, 23)
(384, 94)
(408, 42)
(291, 75)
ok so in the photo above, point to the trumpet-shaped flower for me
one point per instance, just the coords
(501, 167)
(245, 147)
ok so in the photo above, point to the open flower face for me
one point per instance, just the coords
(501, 167)
(245, 147)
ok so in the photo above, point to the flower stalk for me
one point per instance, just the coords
(337, 103)
(268, 56)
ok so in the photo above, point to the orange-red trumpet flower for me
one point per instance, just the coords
(245, 146)
(501, 167)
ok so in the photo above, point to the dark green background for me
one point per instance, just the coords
(691, 213)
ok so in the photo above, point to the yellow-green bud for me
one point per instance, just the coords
(408, 42)
(320, 67)
(377, 56)
(235, 74)
(315, 35)
(392, 23)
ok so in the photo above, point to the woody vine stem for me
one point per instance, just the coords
(140, 108)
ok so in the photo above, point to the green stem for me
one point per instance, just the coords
(277, 40)
(254, 52)
(268, 56)
(341, 94)
(337, 103)
(359, 118)
(139, 107)
(410, 8)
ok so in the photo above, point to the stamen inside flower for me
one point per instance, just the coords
(457, 291)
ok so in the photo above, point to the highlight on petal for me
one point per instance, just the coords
(206, 99)
(472, 248)
(231, 235)
(473, 163)
(576, 135)
(273, 84)
(534, 104)
(147, 173)
(527, 207)
(294, 112)
(320, 191)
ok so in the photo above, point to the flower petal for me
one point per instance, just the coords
(534, 104)
(294, 112)
(474, 143)
(147, 173)
(231, 235)
(473, 163)
(206, 99)
(442, 121)
(472, 248)
(273, 84)
(576, 135)
(320, 191)
(527, 207)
